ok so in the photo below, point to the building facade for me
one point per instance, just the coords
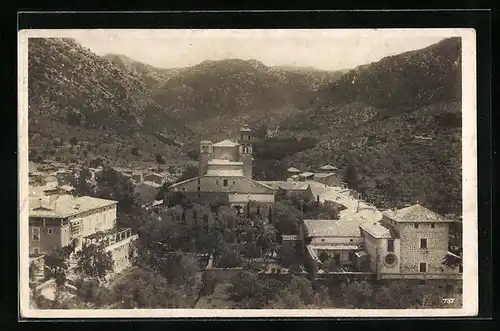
(409, 243)
(332, 238)
(73, 222)
(225, 175)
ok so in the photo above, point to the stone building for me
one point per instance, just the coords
(291, 189)
(225, 175)
(328, 178)
(409, 243)
(66, 221)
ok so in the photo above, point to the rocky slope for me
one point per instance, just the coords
(398, 121)
(73, 92)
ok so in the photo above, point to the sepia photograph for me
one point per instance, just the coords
(247, 173)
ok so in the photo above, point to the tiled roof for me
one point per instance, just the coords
(415, 213)
(323, 175)
(331, 228)
(67, 187)
(328, 167)
(226, 143)
(225, 173)
(244, 198)
(211, 175)
(306, 174)
(377, 230)
(66, 207)
(286, 185)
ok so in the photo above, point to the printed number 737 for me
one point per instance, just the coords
(448, 300)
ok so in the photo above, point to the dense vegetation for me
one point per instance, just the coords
(398, 123)
(72, 90)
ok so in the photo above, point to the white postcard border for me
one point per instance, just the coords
(469, 187)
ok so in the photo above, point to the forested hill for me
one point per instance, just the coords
(73, 92)
(419, 77)
(217, 96)
(154, 77)
(398, 122)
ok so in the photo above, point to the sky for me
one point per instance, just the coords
(327, 49)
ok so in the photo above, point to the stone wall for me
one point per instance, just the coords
(411, 253)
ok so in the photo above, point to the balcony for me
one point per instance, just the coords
(76, 227)
(109, 237)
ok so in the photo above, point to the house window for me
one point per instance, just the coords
(35, 234)
(50, 231)
(36, 250)
(423, 243)
(216, 182)
(225, 183)
(432, 225)
(199, 189)
(390, 245)
(322, 240)
(423, 267)
(416, 225)
(460, 269)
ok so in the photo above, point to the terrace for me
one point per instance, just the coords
(109, 237)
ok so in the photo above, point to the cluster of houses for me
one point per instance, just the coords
(326, 174)
(409, 243)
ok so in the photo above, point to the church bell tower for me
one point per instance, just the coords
(245, 142)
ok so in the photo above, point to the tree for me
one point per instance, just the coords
(135, 151)
(190, 172)
(93, 294)
(159, 159)
(114, 186)
(356, 294)
(229, 259)
(351, 177)
(57, 264)
(265, 234)
(244, 285)
(146, 288)
(81, 181)
(73, 141)
(287, 255)
(286, 217)
(93, 261)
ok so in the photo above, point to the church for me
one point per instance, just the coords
(225, 175)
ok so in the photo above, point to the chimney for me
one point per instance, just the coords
(39, 202)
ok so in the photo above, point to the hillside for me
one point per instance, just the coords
(398, 121)
(216, 96)
(154, 77)
(75, 93)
